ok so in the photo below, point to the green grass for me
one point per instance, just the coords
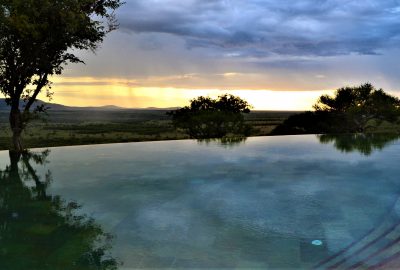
(63, 128)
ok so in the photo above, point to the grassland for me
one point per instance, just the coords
(78, 127)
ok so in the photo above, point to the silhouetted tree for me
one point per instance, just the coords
(212, 118)
(37, 39)
(314, 123)
(360, 105)
(42, 232)
(350, 110)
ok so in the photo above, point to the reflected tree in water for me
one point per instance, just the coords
(226, 142)
(41, 231)
(366, 144)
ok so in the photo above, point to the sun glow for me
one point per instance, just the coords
(86, 91)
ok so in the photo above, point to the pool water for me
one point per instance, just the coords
(291, 202)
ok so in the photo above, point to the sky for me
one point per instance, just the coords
(276, 54)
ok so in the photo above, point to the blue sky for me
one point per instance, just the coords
(191, 47)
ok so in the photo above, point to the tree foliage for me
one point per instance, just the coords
(361, 104)
(38, 38)
(349, 110)
(212, 118)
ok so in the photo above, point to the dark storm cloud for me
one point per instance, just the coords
(258, 28)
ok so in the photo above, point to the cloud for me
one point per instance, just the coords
(256, 28)
(279, 45)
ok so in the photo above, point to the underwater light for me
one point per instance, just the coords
(317, 243)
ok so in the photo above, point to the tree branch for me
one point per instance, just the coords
(41, 82)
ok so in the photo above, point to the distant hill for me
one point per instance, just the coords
(59, 107)
(53, 106)
(162, 109)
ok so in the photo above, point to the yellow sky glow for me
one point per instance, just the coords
(126, 93)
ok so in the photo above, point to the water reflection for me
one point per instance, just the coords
(180, 205)
(40, 231)
(366, 144)
(226, 142)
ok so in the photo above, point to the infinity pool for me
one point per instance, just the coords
(293, 202)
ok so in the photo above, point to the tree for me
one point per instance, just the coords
(350, 110)
(360, 105)
(313, 123)
(37, 39)
(212, 118)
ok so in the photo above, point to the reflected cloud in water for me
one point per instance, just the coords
(187, 204)
(365, 144)
(40, 231)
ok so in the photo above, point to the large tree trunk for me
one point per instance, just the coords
(16, 125)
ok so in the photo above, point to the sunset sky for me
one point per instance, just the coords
(277, 54)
